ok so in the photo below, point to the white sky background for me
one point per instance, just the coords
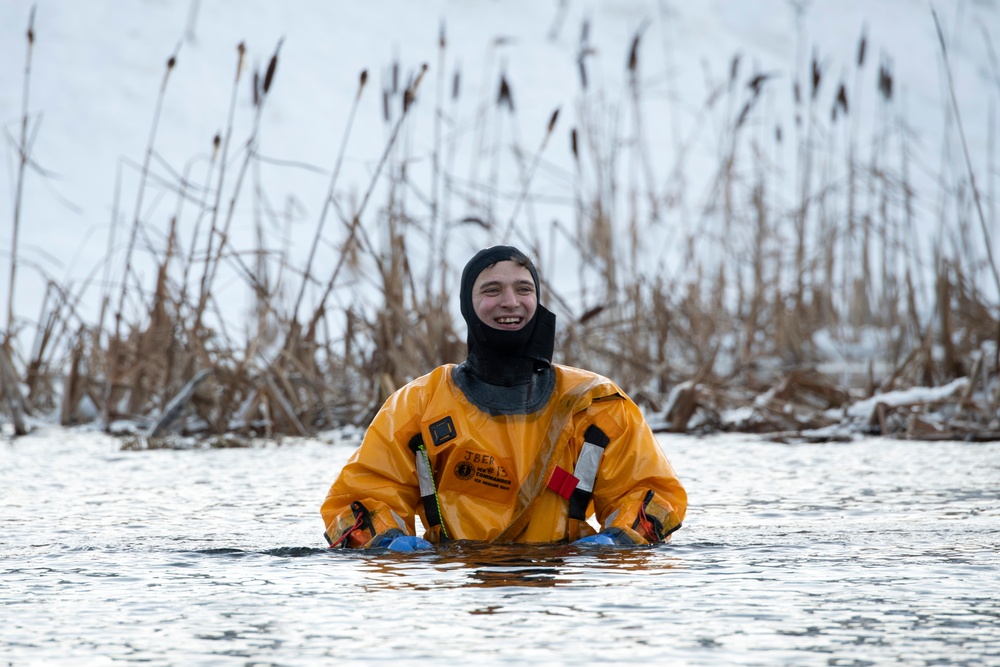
(97, 67)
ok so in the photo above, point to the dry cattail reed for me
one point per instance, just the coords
(825, 245)
(21, 165)
(331, 190)
(112, 377)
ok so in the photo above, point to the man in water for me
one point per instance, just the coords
(507, 446)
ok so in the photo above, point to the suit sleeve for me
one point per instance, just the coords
(637, 490)
(377, 489)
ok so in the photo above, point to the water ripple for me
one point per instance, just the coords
(840, 554)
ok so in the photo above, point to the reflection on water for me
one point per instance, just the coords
(877, 552)
(473, 565)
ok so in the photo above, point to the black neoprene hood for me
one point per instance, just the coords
(506, 372)
(536, 340)
(483, 260)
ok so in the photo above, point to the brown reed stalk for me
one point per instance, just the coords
(805, 168)
(213, 253)
(57, 315)
(112, 230)
(113, 366)
(10, 389)
(165, 316)
(526, 181)
(328, 200)
(850, 239)
(761, 240)
(72, 386)
(639, 142)
(965, 150)
(650, 331)
(356, 228)
(483, 112)
(152, 351)
(46, 333)
(946, 323)
(202, 210)
(504, 98)
(261, 280)
(21, 165)
(436, 176)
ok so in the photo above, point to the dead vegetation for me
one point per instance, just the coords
(726, 339)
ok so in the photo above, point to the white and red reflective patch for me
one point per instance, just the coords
(563, 482)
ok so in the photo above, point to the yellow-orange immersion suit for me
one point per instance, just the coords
(506, 478)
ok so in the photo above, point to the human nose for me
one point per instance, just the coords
(509, 298)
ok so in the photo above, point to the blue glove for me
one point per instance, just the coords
(608, 537)
(409, 543)
(397, 540)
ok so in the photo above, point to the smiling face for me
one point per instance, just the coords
(504, 296)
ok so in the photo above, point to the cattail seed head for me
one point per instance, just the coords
(817, 76)
(456, 84)
(842, 98)
(583, 71)
(885, 82)
(411, 89)
(241, 50)
(633, 56)
(757, 83)
(553, 119)
(31, 26)
(271, 67)
(171, 61)
(573, 144)
(591, 314)
(862, 46)
(362, 80)
(504, 96)
(442, 42)
(255, 84)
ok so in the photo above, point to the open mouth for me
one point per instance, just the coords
(509, 321)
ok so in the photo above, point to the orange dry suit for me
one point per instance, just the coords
(506, 477)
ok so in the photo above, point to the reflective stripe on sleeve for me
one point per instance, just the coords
(586, 466)
(594, 442)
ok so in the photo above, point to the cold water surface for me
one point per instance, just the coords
(875, 552)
